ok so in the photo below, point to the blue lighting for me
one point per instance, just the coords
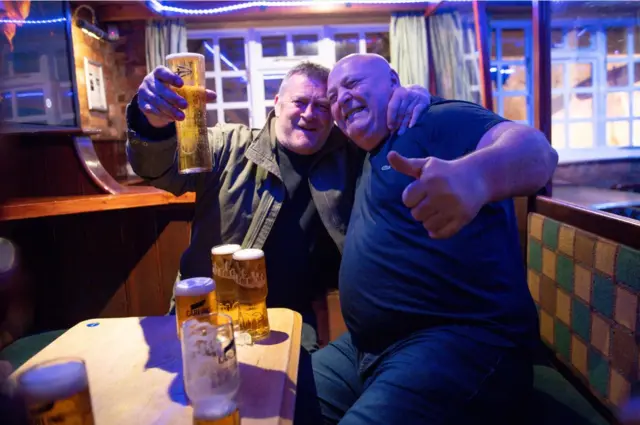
(32, 21)
(159, 7)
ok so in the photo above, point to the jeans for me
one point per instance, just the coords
(437, 376)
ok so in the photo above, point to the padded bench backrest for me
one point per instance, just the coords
(586, 289)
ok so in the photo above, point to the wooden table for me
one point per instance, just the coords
(135, 370)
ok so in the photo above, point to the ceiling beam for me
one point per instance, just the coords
(113, 11)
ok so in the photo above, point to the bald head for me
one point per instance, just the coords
(359, 89)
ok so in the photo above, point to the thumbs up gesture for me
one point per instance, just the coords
(445, 196)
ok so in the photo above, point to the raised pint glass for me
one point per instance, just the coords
(251, 277)
(57, 392)
(194, 153)
(224, 275)
(194, 297)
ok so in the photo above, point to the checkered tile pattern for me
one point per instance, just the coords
(586, 288)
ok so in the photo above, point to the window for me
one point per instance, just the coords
(226, 74)
(245, 67)
(595, 85)
(595, 80)
(510, 71)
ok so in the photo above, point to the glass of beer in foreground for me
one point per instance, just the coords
(251, 278)
(224, 276)
(194, 152)
(194, 296)
(57, 391)
(210, 369)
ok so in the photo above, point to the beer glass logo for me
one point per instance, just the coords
(224, 269)
(183, 71)
(251, 279)
(198, 308)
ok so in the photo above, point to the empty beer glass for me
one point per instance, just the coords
(210, 367)
(194, 152)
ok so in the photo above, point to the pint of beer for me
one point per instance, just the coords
(194, 297)
(194, 153)
(57, 392)
(214, 412)
(224, 275)
(251, 277)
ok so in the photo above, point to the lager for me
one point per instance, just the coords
(224, 276)
(194, 297)
(194, 153)
(57, 392)
(251, 277)
(210, 412)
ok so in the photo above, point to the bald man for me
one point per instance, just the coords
(432, 284)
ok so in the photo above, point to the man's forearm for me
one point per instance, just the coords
(518, 163)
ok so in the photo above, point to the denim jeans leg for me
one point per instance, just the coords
(335, 372)
(440, 377)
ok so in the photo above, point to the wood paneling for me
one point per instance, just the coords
(617, 228)
(42, 165)
(109, 264)
(24, 208)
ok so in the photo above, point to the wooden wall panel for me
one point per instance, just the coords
(106, 264)
(42, 165)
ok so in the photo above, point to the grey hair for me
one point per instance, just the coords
(311, 70)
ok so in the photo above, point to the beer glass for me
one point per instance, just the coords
(210, 368)
(194, 152)
(194, 296)
(57, 391)
(251, 277)
(224, 276)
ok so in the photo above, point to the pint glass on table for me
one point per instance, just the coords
(194, 153)
(212, 413)
(194, 297)
(251, 277)
(57, 392)
(210, 369)
(224, 275)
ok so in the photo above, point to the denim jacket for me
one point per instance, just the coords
(238, 202)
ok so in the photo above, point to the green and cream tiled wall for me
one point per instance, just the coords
(586, 288)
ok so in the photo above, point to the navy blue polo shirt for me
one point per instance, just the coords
(396, 280)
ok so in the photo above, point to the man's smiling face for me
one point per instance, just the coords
(303, 115)
(360, 87)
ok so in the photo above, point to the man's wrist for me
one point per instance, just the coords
(476, 168)
(137, 122)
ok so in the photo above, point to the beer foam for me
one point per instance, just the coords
(212, 408)
(225, 249)
(248, 254)
(54, 381)
(195, 286)
(185, 55)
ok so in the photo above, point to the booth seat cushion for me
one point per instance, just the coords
(23, 349)
(587, 288)
(556, 402)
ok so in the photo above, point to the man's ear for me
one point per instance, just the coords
(276, 105)
(395, 78)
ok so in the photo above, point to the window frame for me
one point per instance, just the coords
(258, 67)
(527, 62)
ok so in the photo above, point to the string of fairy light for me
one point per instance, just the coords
(161, 8)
